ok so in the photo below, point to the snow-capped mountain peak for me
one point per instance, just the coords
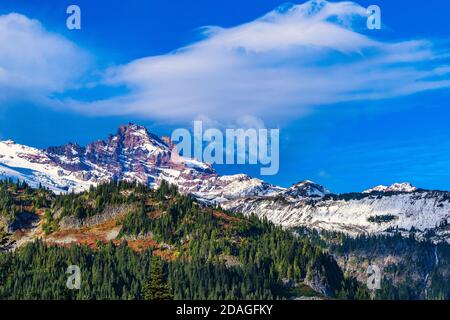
(132, 154)
(396, 187)
(135, 136)
(304, 189)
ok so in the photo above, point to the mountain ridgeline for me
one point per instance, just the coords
(134, 154)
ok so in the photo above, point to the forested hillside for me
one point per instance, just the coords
(205, 252)
(122, 234)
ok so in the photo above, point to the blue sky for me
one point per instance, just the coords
(360, 123)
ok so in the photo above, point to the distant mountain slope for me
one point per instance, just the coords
(424, 212)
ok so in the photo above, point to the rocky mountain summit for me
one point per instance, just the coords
(131, 154)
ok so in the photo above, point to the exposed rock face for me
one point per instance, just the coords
(109, 213)
(305, 189)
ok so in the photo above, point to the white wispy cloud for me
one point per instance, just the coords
(279, 66)
(35, 63)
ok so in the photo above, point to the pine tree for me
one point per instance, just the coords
(156, 287)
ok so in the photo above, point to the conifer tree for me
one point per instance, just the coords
(156, 287)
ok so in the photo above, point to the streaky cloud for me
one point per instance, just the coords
(278, 66)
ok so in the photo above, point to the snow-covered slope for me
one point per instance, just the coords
(396, 187)
(424, 212)
(220, 189)
(34, 166)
